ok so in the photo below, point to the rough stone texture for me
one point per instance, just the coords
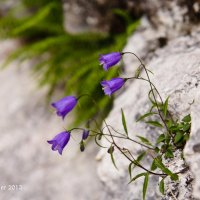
(26, 158)
(181, 189)
(97, 15)
(192, 149)
(171, 18)
(176, 69)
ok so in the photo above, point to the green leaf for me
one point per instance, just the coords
(150, 98)
(187, 118)
(162, 186)
(112, 158)
(130, 169)
(169, 154)
(165, 107)
(137, 176)
(186, 137)
(144, 140)
(161, 166)
(139, 158)
(174, 128)
(124, 122)
(145, 185)
(145, 115)
(169, 123)
(178, 137)
(167, 138)
(160, 139)
(153, 166)
(186, 127)
(155, 123)
(152, 107)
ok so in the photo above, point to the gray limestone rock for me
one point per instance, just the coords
(176, 69)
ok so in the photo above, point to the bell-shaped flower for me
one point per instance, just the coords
(112, 85)
(85, 134)
(60, 141)
(109, 60)
(64, 105)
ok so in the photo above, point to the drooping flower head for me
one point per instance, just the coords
(60, 141)
(64, 105)
(109, 60)
(112, 85)
(85, 134)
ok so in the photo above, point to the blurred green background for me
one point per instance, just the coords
(64, 61)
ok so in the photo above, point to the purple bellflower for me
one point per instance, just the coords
(85, 134)
(60, 141)
(109, 60)
(64, 105)
(112, 85)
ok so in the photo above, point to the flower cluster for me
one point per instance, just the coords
(174, 134)
(66, 104)
(109, 60)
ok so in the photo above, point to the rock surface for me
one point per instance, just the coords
(192, 149)
(176, 68)
(26, 159)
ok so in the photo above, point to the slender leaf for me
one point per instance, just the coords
(152, 107)
(145, 185)
(150, 98)
(137, 176)
(139, 158)
(162, 186)
(160, 139)
(153, 166)
(144, 140)
(145, 115)
(165, 107)
(155, 123)
(130, 170)
(161, 166)
(124, 121)
(112, 158)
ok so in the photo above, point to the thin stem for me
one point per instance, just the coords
(128, 138)
(76, 128)
(114, 143)
(151, 86)
(136, 163)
